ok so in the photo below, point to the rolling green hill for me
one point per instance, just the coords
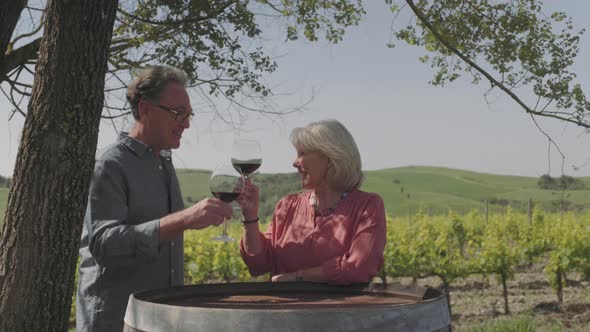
(411, 189)
(435, 189)
(407, 190)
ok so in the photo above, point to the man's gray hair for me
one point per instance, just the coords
(150, 83)
(333, 140)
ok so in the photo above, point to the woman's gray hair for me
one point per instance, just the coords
(150, 83)
(333, 140)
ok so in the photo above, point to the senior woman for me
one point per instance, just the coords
(330, 232)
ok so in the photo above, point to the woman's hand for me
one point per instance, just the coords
(248, 200)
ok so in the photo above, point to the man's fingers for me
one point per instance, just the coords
(223, 209)
(219, 220)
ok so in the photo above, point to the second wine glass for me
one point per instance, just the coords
(226, 183)
(246, 156)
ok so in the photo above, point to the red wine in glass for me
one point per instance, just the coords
(226, 184)
(227, 197)
(246, 156)
(246, 167)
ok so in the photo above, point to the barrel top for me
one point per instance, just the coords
(290, 307)
(294, 295)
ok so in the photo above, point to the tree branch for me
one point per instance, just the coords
(19, 57)
(9, 14)
(489, 77)
(14, 103)
(30, 34)
(114, 116)
(190, 19)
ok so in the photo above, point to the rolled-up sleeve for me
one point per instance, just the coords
(365, 257)
(113, 242)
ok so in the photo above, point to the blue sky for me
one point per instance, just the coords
(383, 97)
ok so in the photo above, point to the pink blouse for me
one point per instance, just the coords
(348, 244)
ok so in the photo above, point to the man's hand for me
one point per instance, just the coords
(209, 211)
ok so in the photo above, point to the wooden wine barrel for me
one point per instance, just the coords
(287, 307)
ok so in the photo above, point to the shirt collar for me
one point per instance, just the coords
(138, 147)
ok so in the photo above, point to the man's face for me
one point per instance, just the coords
(161, 125)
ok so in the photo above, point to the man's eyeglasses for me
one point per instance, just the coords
(178, 115)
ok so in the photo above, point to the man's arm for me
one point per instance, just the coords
(112, 242)
(209, 211)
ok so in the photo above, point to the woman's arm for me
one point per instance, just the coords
(255, 247)
(252, 241)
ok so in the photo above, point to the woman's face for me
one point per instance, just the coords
(312, 167)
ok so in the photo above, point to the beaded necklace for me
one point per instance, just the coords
(328, 211)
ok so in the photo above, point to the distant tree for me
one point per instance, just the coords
(547, 182)
(571, 183)
(564, 182)
(4, 182)
(499, 201)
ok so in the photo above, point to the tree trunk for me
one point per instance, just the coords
(43, 221)
(505, 293)
(9, 13)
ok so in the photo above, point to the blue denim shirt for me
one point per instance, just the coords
(120, 252)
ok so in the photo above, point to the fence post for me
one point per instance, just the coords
(530, 211)
(486, 210)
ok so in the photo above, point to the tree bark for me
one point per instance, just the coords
(43, 221)
(9, 13)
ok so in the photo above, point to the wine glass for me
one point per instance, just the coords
(246, 156)
(226, 183)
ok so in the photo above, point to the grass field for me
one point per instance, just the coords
(3, 199)
(407, 190)
(194, 184)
